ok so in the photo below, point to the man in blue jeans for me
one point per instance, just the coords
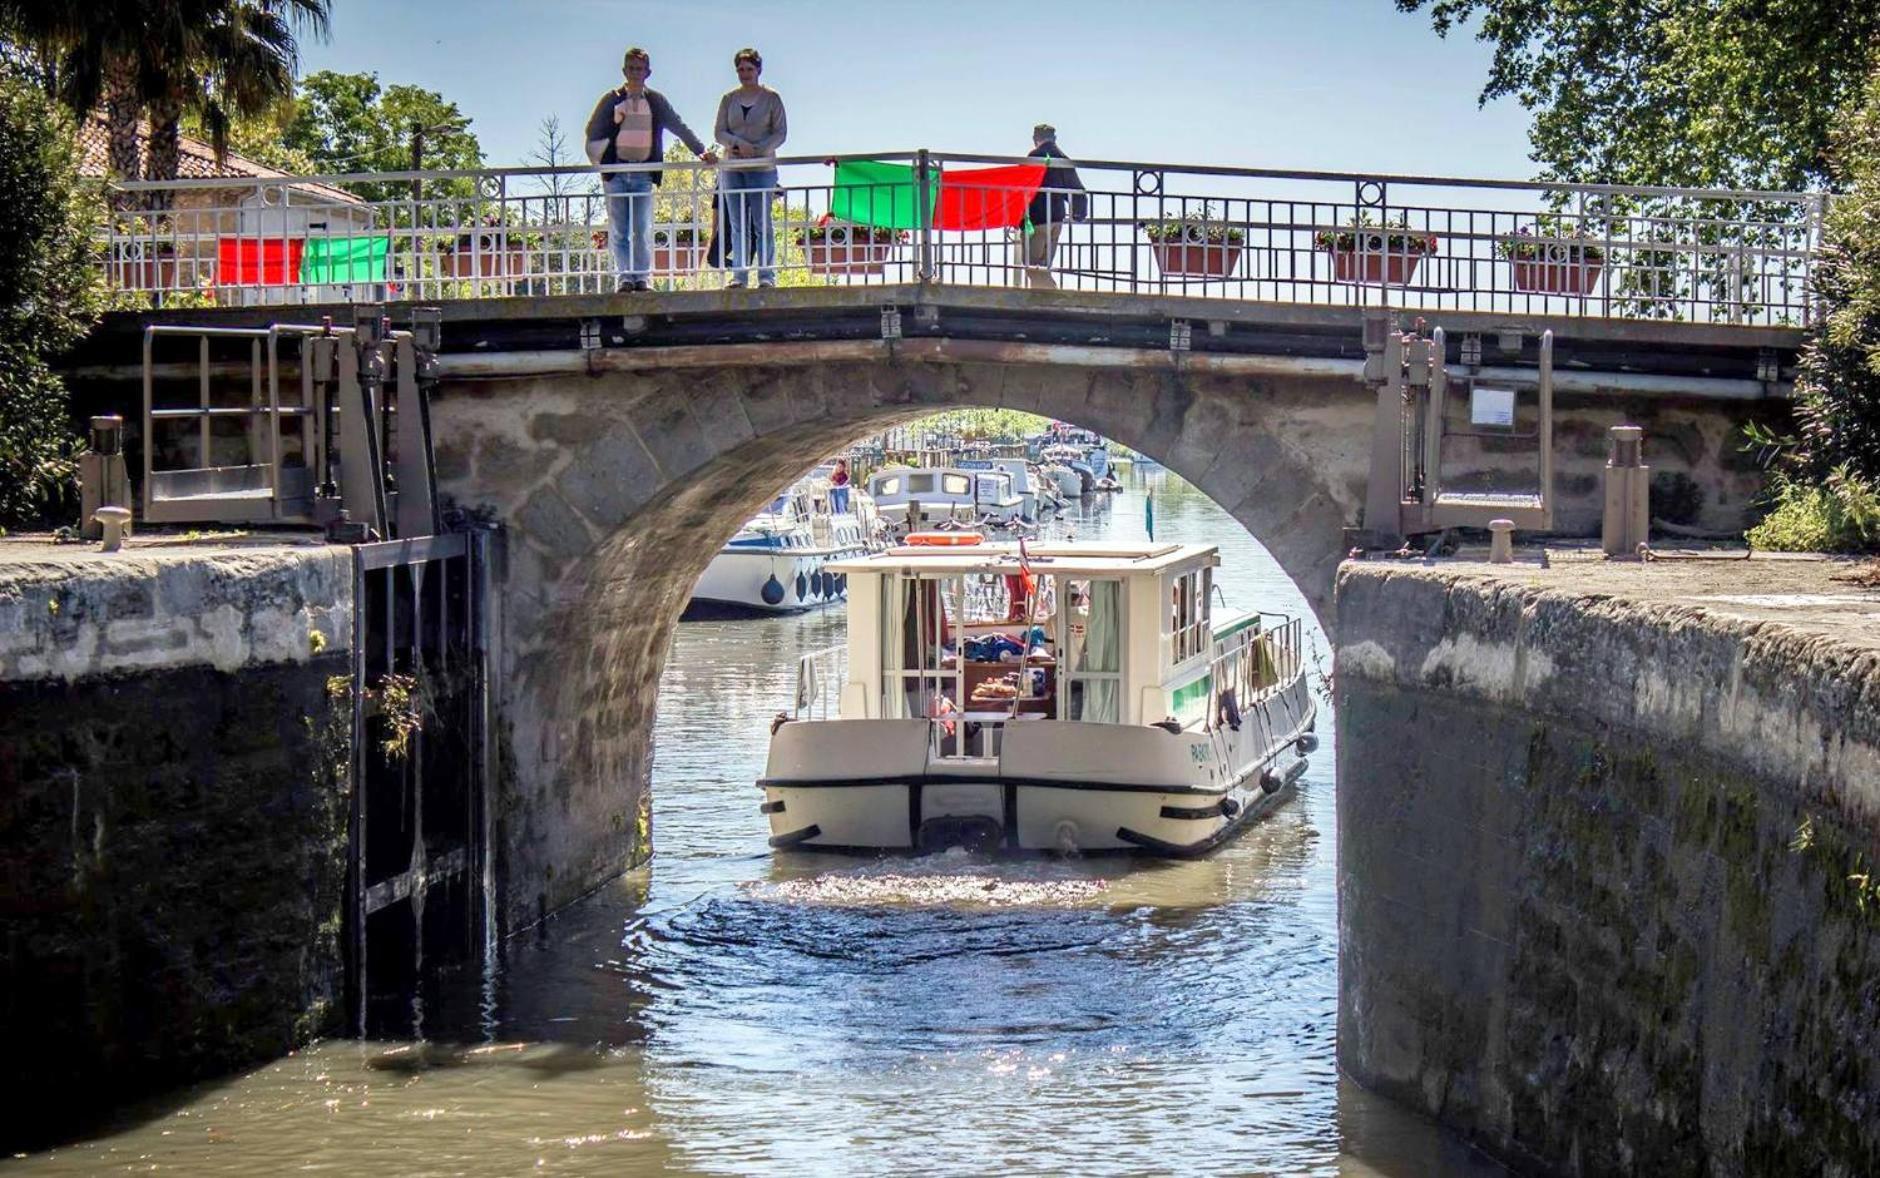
(629, 126)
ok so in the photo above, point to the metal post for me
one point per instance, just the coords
(1383, 504)
(1433, 420)
(923, 171)
(1547, 430)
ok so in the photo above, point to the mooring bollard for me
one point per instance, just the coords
(113, 522)
(1627, 521)
(1501, 541)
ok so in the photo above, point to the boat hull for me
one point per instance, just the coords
(1037, 786)
(768, 581)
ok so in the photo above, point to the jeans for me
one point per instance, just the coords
(839, 499)
(747, 214)
(630, 224)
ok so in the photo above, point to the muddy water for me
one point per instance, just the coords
(729, 1011)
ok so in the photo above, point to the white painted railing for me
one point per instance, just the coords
(1323, 238)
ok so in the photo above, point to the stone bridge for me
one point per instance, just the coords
(622, 440)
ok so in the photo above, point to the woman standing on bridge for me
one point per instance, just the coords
(751, 126)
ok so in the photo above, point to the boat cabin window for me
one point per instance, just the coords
(955, 484)
(888, 485)
(1187, 620)
(919, 483)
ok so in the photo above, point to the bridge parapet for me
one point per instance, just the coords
(1335, 239)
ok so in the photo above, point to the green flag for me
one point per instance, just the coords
(344, 259)
(883, 195)
(1148, 515)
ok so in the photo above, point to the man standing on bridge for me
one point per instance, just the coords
(629, 126)
(1061, 193)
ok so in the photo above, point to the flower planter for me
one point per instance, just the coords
(1566, 276)
(837, 250)
(1375, 267)
(509, 263)
(1196, 259)
(144, 273)
(676, 251)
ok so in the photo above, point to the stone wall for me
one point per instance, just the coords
(1608, 888)
(172, 818)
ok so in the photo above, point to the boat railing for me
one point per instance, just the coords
(819, 676)
(1255, 663)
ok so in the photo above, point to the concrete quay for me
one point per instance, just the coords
(1608, 836)
(173, 812)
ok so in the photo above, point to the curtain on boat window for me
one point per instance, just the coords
(895, 631)
(1102, 655)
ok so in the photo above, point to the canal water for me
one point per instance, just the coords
(729, 1011)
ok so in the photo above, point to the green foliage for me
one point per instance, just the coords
(1198, 227)
(49, 295)
(350, 123)
(1837, 386)
(1840, 515)
(1686, 93)
(1389, 236)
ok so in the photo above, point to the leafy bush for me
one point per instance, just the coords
(1841, 515)
(51, 290)
(1373, 236)
(1837, 386)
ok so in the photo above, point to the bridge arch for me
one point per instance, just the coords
(616, 490)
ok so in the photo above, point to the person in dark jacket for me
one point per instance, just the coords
(629, 126)
(1060, 198)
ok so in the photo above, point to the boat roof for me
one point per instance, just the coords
(1074, 558)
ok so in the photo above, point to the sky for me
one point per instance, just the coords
(1335, 85)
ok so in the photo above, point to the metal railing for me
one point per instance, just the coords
(819, 677)
(1325, 238)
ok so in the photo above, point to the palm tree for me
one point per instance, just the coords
(227, 58)
(217, 57)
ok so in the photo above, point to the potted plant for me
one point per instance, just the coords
(1551, 258)
(1367, 251)
(838, 247)
(678, 248)
(489, 252)
(1195, 245)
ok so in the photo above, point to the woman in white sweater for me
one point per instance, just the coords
(751, 126)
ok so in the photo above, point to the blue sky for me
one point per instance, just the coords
(1310, 84)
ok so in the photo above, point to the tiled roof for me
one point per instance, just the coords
(195, 161)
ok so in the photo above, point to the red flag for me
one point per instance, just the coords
(987, 198)
(250, 261)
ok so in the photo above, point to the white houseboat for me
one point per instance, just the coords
(912, 498)
(1067, 698)
(779, 560)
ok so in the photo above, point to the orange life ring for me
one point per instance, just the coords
(943, 539)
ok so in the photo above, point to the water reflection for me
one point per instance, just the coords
(731, 1011)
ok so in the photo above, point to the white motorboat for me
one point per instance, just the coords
(778, 561)
(1065, 698)
(911, 498)
(1036, 499)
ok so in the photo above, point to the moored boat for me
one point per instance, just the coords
(1062, 698)
(778, 561)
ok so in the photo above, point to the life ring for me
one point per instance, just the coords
(943, 539)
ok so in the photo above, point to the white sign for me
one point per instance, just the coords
(1492, 407)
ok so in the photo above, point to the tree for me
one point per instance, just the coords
(349, 123)
(162, 58)
(1684, 93)
(50, 292)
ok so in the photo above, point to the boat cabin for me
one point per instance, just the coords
(931, 495)
(1099, 633)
